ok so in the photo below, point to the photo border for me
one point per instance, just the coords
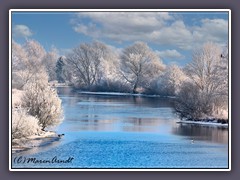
(120, 169)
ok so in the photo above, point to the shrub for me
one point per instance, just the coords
(193, 104)
(23, 125)
(42, 102)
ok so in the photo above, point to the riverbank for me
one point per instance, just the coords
(205, 123)
(43, 139)
(121, 94)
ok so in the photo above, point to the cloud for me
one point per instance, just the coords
(119, 26)
(176, 34)
(170, 54)
(215, 30)
(161, 28)
(21, 31)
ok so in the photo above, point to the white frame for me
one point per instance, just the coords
(113, 10)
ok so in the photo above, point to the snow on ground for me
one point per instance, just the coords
(203, 123)
(45, 138)
(120, 94)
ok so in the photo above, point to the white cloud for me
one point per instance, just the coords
(215, 30)
(176, 34)
(160, 28)
(21, 31)
(170, 54)
(120, 26)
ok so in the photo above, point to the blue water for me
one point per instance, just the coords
(126, 132)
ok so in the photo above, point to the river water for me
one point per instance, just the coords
(106, 131)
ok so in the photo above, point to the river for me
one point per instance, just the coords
(106, 131)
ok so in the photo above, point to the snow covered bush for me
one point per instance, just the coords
(191, 103)
(23, 125)
(42, 101)
(169, 82)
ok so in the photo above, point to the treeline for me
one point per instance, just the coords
(200, 88)
(137, 69)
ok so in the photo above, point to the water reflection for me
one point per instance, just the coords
(197, 132)
(129, 114)
(73, 98)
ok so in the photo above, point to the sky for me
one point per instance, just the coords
(172, 35)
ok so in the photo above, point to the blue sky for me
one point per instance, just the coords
(172, 35)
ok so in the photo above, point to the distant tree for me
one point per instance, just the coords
(140, 65)
(60, 70)
(49, 61)
(172, 80)
(84, 62)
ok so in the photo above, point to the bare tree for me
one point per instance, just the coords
(209, 77)
(84, 63)
(202, 69)
(140, 65)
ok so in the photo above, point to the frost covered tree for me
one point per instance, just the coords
(49, 61)
(209, 78)
(203, 68)
(35, 54)
(172, 79)
(26, 61)
(221, 100)
(60, 68)
(19, 58)
(34, 50)
(109, 71)
(140, 65)
(84, 62)
(42, 101)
